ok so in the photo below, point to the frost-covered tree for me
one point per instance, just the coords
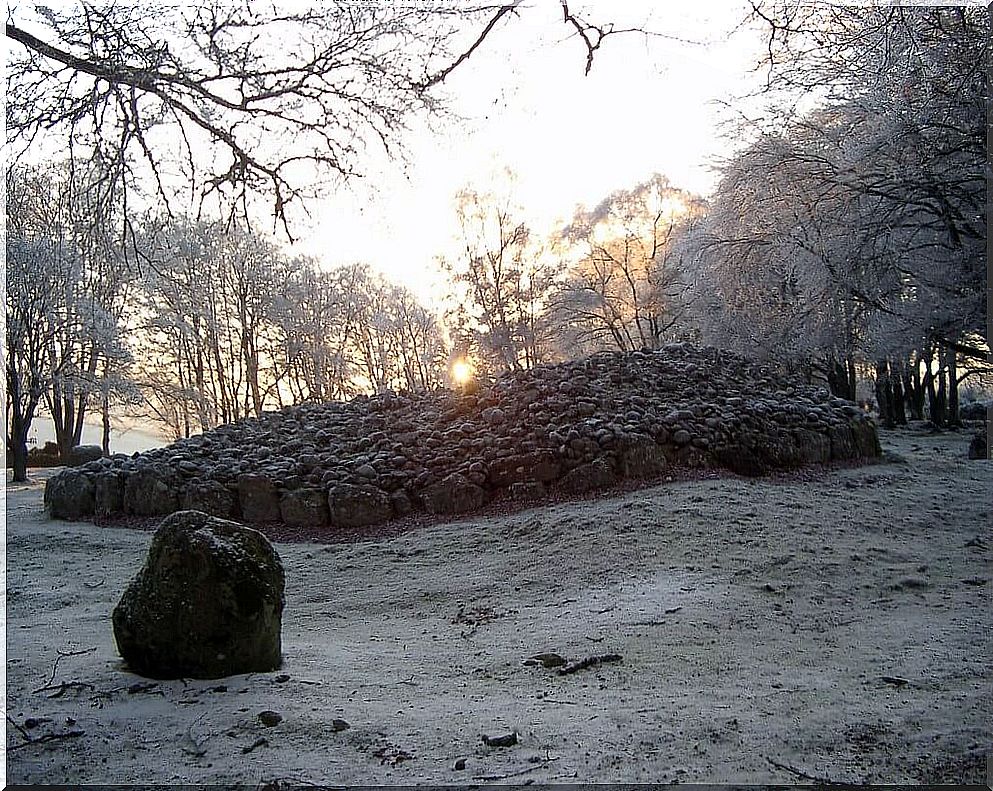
(60, 217)
(854, 234)
(399, 343)
(317, 322)
(903, 91)
(621, 289)
(209, 350)
(349, 330)
(36, 273)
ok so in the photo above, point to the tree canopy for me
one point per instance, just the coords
(229, 100)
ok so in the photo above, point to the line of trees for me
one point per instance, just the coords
(609, 279)
(214, 325)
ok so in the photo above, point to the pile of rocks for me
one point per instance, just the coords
(576, 426)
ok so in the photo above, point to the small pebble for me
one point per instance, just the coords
(503, 740)
(270, 718)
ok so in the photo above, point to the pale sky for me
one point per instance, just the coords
(648, 105)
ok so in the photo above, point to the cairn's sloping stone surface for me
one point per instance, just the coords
(83, 454)
(631, 415)
(207, 603)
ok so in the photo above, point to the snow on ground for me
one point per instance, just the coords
(770, 632)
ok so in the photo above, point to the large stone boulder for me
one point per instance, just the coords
(304, 508)
(207, 603)
(979, 447)
(597, 474)
(259, 498)
(842, 440)
(866, 439)
(539, 465)
(354, 505)
(812, 447)
(453, 495)
(742, 458)
(210, 497)
(69, 495)
(641, 457)
(149, 493)
(108, 494)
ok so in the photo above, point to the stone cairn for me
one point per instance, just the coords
(576, 426)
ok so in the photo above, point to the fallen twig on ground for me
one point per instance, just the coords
(55, 667)
(524, 771)
(24, 733)
(64, 686)
(800, 773)
(260, 742)
(48, 737)
(590, 661)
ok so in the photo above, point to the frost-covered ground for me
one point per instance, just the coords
(770, 631)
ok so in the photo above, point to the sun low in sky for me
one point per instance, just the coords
(462, 372)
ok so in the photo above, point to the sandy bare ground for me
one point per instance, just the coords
(770, 632)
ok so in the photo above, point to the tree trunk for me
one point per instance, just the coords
(884, 393)
(899, 408)
(251, 357)
(953, 389)
(913, 388)
(841, 377)
(937, 399)
(105, 409)
(77, 430)
(19, 448)
(63, 431)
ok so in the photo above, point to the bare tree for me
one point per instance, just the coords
(35, 312)
(622, 289)
(230, 82)
(502, 282)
